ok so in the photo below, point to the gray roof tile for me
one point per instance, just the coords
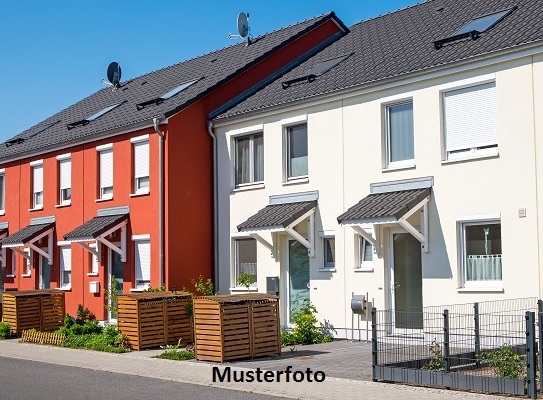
(385, 205)
(214, 68)
(26, 234)
(277, 215)
(95, 227)
(401, 42)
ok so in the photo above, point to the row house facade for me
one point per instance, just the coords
(116, 190)
(401, 163)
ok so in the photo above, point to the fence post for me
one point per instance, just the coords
(531, 356)
(374, 343)
(477, 332)
(540, 342)
(446, 350)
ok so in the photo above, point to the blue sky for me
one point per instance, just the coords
(54, 53)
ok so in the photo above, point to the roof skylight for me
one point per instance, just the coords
(317, 70)
(94, 116)
(168, 95)
(475, 27)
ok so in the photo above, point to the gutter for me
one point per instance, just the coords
(161, 137)
(215, 207)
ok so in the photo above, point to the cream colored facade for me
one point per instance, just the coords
(346, 154)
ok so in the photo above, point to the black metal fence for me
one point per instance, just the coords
(488, 347)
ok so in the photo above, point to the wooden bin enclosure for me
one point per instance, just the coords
(230, 327)
(43, 310)
(152, 319)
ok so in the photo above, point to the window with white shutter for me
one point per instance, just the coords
(143, 263)
(470, 121)
(65, 267)
(141, 167)
(37, 186)
(106, 174)
(65, 178)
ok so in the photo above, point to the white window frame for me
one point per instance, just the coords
(252, 180)
(105, 192)
(3, 194)
(469, 152)
(328, 265)
(36, 193)
(489, 284)
(141, 176)
(286, 149)
(93, 261)
(139, 240)
(235, 259)
(363, 264)
(62, 263)
(63, 185)
(27, 266)
(387, 131)
(13, 271)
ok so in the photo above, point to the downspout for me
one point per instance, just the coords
(215, 207)
(160, 202)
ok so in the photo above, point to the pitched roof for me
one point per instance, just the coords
(211, 70)
(277, 215)
(400, 43)
(26, 234)
(393, 205)
(95, 227)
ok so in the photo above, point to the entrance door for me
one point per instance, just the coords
(115, 269)
(45, 273)
(406, 281)
(298, 277)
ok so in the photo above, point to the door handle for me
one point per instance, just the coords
(308, 285)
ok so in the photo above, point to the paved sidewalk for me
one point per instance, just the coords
(200, 373)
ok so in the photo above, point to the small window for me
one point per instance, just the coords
(296, 151)
(245, 259)
(11, 266)
(141, 167)
(37, 186)
(27, 268)
(365, 254)
(93, 262)
(400, 150)
(481, 249)
(2, 191)
(249, 159)
(471, 121)
(65, 179)
(65, 267)
(329, 245)
(143, 264)
(106, 174)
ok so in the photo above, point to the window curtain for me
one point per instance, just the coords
(484, 267)
(243, 161)
(297, 142)
(401, 132)
(259, 158)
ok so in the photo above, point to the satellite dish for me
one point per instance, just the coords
(243, 24)
(114, 74)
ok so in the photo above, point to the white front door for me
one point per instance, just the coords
(405, 281)
(115, 269)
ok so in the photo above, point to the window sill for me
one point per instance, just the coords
(139, 194)
(137, 289)
(296, 181)
(63, 205)
(65, 289)
(471, 158)
(243, 289)
(92, 274)
(26, 275)
(363, 269)
(104, 199)
(481, 289)
(2, 212)
(36, 209)
(10, 276)
(327, 270)
(399, 168)
(245, 188)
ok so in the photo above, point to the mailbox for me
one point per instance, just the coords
(272, 285)
(358, 304)
(94, 287)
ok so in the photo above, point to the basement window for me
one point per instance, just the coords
(311, 74)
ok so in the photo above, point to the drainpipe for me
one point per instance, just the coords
(160, 202)
(215, 206)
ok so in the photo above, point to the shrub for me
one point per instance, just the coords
(436, 360)
(504, 361)
(305, 330)
(83, 315)
(245, 279)
(4, 330)
(162, 288)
